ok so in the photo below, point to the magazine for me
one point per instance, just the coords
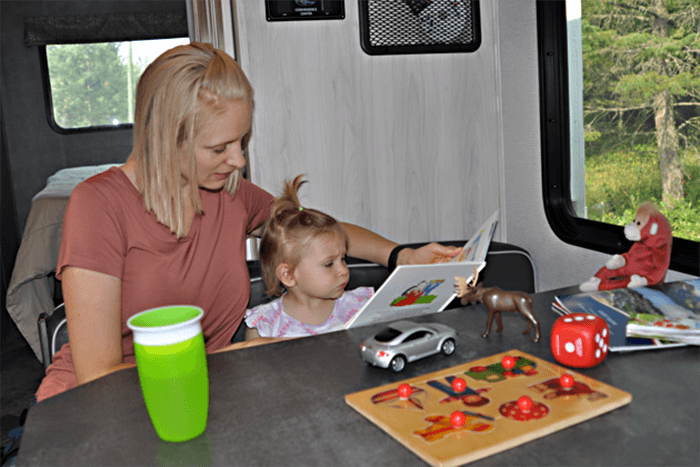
(421, 289)
(676, 300)
(678, 317)
(685, 330)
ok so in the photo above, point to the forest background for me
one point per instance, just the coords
(641, 93)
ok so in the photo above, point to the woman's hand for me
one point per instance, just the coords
(428, 254)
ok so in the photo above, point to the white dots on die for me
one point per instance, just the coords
(569, 347)
(578, 318)
(568, 320)
(590, 317)
(605, 332)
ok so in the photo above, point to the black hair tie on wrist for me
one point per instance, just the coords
(394, 256)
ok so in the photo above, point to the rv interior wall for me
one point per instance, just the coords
(406, 145)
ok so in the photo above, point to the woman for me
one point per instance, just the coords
(169, 226)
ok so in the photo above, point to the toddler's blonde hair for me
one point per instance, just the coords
(289, 232)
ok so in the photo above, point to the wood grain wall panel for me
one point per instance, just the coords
(406, 145)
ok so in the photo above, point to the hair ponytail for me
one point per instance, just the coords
(288, 233)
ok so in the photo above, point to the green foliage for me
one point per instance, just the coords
(634, 52)
(618, 182)
(629, 58)
(89, 84)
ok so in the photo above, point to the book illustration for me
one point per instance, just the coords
(684, 293)
(422, 289)
(465, 254)
(418, 294)
(672, 324)
(621, 308)
(476, 248)
(685, 330)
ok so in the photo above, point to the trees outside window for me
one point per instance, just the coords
(94, 85)
(641, 109)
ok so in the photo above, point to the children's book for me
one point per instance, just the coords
(421, 289)
(621, 307)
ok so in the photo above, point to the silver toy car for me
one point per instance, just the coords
(405, 341)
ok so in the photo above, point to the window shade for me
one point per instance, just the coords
(114, 27)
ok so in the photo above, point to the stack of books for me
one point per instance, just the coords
(662, 316)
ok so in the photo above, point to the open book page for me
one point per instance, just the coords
(684, 330)
(425, 288)
(414, 290)
(673, 300)
(673, 312)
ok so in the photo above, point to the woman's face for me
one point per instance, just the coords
(218, 148)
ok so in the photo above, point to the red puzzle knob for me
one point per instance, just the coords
(457, 419)
(525, 403)
(405, 391)
(508, 362)
(566, 381)
(459, 385)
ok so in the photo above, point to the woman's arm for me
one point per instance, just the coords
(370, 246)
(93, 314)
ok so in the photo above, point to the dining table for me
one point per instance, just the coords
(284, 404)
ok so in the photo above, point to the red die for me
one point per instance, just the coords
(580, 340)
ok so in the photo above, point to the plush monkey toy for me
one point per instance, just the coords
(647, 261)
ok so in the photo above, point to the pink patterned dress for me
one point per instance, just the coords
(271, 321)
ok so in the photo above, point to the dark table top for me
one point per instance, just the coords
(283, 404)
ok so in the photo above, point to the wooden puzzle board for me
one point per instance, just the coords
(493, 420)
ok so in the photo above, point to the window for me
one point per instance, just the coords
(608, 74)
(93, 85)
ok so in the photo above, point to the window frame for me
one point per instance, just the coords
(556, 153)
(48, 105)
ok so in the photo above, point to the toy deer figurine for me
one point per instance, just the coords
(496, 301)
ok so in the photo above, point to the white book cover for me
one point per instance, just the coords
(421, 289)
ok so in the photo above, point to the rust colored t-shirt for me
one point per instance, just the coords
(107, 230)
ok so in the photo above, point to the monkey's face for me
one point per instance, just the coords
(638, 229)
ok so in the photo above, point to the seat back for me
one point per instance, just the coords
(53, 333)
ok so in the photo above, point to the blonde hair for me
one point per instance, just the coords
(289, 232)
(174, 96)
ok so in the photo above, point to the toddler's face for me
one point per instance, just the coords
(322, 272)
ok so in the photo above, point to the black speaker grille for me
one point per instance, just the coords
(419, 26)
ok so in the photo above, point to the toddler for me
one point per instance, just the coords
(303, 253)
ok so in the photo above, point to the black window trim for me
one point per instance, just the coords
(554, 120)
